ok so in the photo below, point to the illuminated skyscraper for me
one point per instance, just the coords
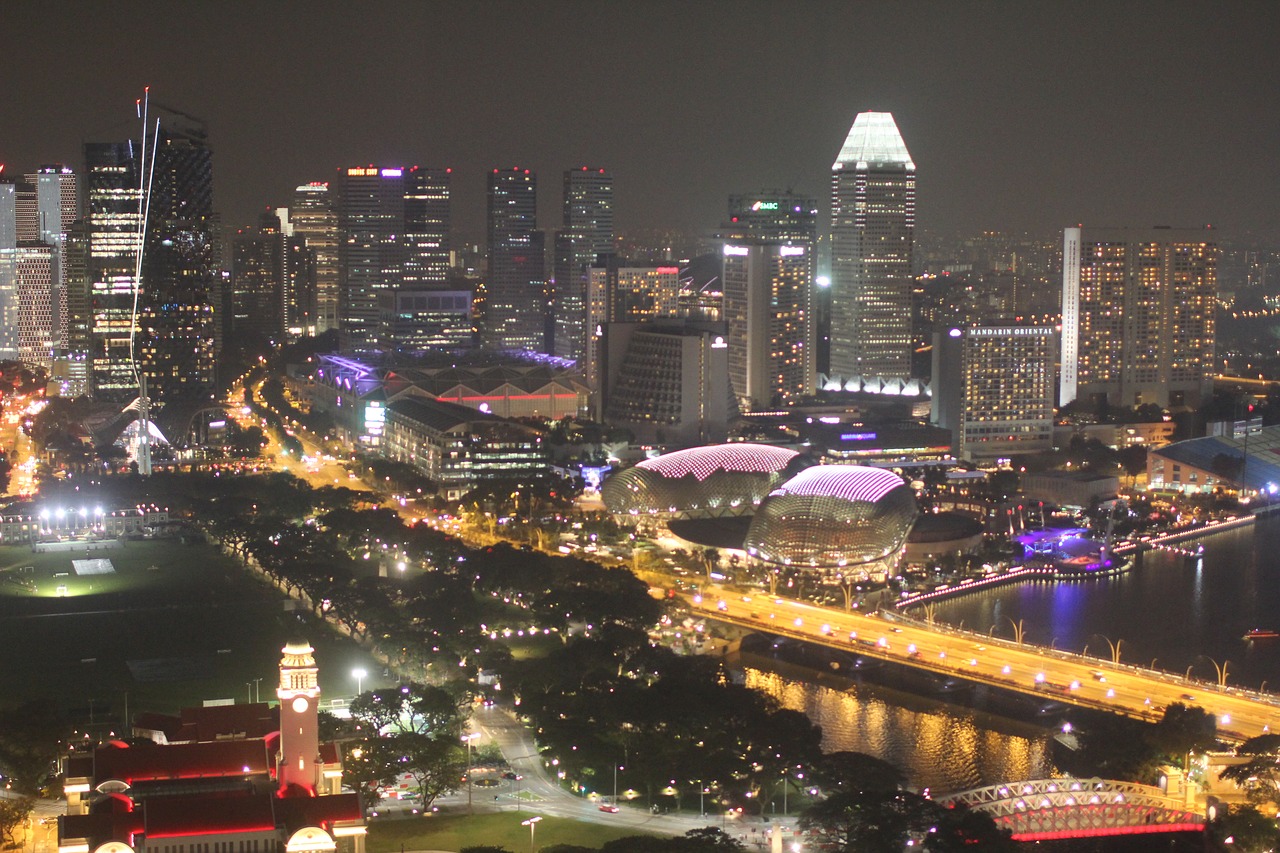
(873, 207)
(175, 334)
(426, 231)
(768, 313)
(1137, 315)
(371, 248)
(313, 219)
(587, 234)
(515, 305)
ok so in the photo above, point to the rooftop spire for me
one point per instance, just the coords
(874, 140)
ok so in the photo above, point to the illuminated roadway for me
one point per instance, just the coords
(1048, 674)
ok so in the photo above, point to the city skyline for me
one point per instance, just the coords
(1017, 129)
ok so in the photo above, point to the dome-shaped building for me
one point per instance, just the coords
(718, 478)
(834, 517)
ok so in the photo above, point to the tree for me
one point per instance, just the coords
(885, 821)
(1243, 829)
(29, 739)
(856, 771)
(13, 813)
(1184, 729)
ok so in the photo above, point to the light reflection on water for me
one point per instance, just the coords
(939, 746)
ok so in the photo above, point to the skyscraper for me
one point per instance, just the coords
(371, 248)
(313, 219)
(768, 312)
(873, 206)
(1137, 315)
(174, 322)
(515, 305)
(587, 234)
(428, 221)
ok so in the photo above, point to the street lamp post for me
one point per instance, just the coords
(468, 738)
(358, 674)
(532, 823)
(1018, 629)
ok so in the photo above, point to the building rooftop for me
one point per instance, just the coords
(874, 140)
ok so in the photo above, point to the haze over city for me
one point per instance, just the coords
(1019, 116)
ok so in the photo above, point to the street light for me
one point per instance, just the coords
(358, 674)
(532, 823)
(467, 739)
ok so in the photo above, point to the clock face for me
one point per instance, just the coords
(300, 705)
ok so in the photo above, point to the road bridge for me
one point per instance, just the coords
(1072, 679)
(1051, 809)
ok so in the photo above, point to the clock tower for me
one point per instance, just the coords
(299, 693)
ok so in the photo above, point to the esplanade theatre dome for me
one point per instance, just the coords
(716, 478)
(834, 517)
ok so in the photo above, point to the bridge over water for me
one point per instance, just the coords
(1065, 677)
(1050, 809)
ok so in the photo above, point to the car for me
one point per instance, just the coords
(510, 776)
(1188, 697)
(610, 808)
(1098, 675)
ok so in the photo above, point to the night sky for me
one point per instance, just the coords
(1024, 116)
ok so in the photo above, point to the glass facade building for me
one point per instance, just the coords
(718, 479)
(873, 207)
(840, 518)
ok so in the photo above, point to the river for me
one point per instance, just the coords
(1178, 611)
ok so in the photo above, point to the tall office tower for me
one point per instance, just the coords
(426, 230)
(180, 266)
(112, 215)
(257, 288)
(57, 202)
(298, 286)
(76, 341)
(515, 305)
(873, 208)
(38, 296)
(8, 270)
(587, 234)
(57, 207)
(1137, 315)
(313, 218)
(175, 340)
(371, 248)
(993, 388)
(768, 312)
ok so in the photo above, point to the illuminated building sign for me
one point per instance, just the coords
(374, 418)
(765, 205)
(736, 250)
(719, 343)
(786, 251)
(392, 173)
(857, 436)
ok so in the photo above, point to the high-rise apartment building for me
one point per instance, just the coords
(769, 321)
(57, 202)
(587, 234)
(39, 297)
(8, 270)
(1137, 315)
(313, 218)
(993, 388)
(515, 304)
(873, 205)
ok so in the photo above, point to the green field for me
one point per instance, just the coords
(174, 625)
(453, 832)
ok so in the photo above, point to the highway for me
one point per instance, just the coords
(1050, 674)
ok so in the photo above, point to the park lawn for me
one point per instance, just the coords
(195, 624)
(503, 829)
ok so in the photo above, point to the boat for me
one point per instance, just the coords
(1260, 634)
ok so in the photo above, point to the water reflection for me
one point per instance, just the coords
(940, 746)
(1178, 611)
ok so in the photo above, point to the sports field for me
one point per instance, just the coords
(166, 626)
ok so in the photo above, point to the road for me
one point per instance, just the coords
(1053, 675)
(538, 793)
